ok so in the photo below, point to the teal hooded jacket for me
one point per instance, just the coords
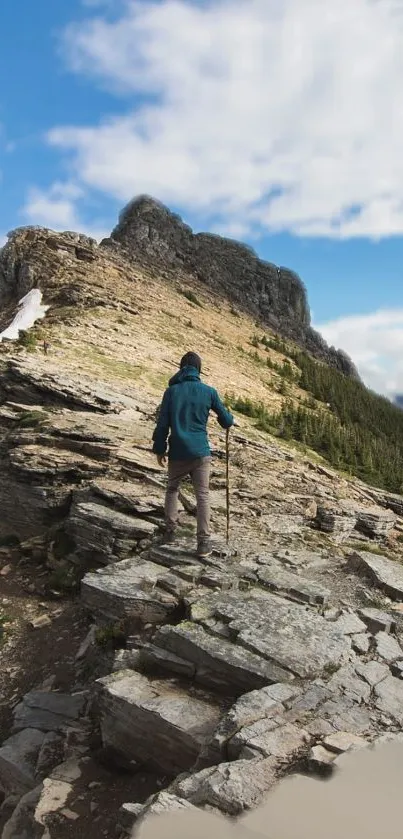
(183, 416)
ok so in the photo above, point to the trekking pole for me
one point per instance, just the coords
(227, 478)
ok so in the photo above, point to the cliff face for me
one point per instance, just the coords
(276, 296)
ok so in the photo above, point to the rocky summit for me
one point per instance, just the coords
(137, 679)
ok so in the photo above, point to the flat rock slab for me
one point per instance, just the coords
(350, 684)
(296, 587)
(261, 704)
(48, 711)
(344, 741)
(269, 739)
(389, 698)
(377, 620)
(18, 757)
(218, 662)
(229, 787)
(372, 671)
(386, 573)
(349, 624)
(129, 590)
(154, 722)
(387, 647)
(286, 634)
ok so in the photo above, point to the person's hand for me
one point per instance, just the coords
(236, 423)
(162, 460)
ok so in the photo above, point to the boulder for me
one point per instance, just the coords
(129, 590)
(104, 534)
(377, 621)
(375, 522)
(154, 722)
(335, 521)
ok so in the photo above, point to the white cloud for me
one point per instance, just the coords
(283, 116)
(375, 343)
(57, 208)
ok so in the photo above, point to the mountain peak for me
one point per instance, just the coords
(275, 296)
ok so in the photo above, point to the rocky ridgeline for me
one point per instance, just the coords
(275, 655)
(274, 295)
(69, 269)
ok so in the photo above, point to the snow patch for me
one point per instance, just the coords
(30, 309)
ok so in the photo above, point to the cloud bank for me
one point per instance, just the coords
(264, 115)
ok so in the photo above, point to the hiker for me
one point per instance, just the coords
(45, 347)
(184, 412)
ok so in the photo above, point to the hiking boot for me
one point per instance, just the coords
(204, 548)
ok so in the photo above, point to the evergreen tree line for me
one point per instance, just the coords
(359, 432)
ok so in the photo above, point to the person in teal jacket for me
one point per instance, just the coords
(181, 435)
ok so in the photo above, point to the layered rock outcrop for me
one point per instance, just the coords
(67, 267)
(276, 296)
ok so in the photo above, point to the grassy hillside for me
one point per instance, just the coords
(353, 428)
(133, 324)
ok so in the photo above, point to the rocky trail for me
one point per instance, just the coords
(134, 678)
(137, 679)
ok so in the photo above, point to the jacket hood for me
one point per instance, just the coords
(185, 375)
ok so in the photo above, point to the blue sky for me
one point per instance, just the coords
(273, 123)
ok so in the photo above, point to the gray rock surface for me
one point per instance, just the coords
(48, 711)
(298, 588)
(291, 636)
(387, 647)
(386, 573)
(22, 823)
(377, 621)
(375, 522)
(105, 534)
(129, 590)
(18, 757)
(155, 723)
(229, 787)
(335, 522)
(269, 739)
(389, 698)
(219, 663)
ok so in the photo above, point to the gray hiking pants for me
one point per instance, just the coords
(199, 471)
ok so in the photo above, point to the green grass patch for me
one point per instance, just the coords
(190, 296)
(111, 635)
(32, 419)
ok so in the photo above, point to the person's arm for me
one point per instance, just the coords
(224, 417)
(160, 435)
